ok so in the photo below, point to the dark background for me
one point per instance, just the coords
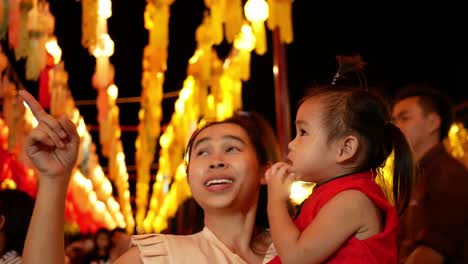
(400, 44)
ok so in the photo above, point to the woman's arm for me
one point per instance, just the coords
(45, 238)
(52, 148)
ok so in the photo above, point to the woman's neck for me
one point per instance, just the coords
(235, 231)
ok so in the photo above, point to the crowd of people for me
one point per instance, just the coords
(344, 136)
(103, 247)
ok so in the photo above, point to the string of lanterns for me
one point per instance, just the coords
(96, 38)
(154, 66)
(211, 91)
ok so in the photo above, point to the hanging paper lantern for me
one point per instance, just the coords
(256, 12)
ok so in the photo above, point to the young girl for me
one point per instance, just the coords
(343, 137)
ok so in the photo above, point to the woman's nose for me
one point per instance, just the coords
(218, 165)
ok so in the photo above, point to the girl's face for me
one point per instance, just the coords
(310, 155)
(224, 171)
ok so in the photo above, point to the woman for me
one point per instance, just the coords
(226, 166)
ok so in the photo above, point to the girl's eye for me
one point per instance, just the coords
(302, 132)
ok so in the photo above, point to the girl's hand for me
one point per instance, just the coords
(53, 145)
(279, 181)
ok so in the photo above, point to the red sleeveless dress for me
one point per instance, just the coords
(380, 248)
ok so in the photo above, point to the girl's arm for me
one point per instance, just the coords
(337, 221)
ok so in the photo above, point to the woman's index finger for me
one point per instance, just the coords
(33, 104)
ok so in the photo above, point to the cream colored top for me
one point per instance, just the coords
(202, 247)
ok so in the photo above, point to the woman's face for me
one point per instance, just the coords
(224, 171)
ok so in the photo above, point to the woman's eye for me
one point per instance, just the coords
(232, 149)
(201, 152)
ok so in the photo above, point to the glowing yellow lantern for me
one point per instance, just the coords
(113, 92)
(256, 12)
(104, 9)
(245, 43)
(53, 49)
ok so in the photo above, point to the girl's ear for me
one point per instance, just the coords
(347, 149)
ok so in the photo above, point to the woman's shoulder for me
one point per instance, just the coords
(147, 239)
(10, 257)
(160, 241)
(202, 247)
(149, 248)
(159, 248)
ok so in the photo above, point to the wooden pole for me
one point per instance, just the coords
(282, 105)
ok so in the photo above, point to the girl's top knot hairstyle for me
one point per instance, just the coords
(348, 64)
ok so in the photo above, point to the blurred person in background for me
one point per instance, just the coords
(434, 228)
(16, 208)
